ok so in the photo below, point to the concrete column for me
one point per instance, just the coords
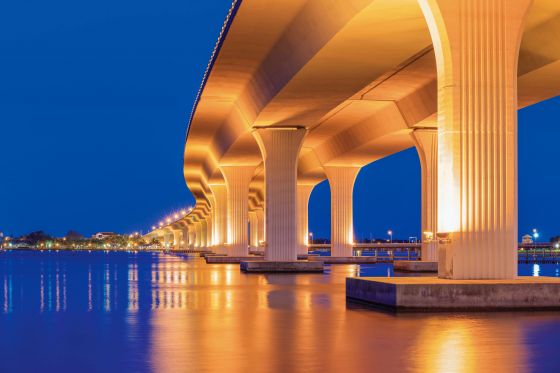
(261, 226)
(253, 230)
(237, 181)
(477, 46)
(220, 217)
(177, 238)
(426, 145)
(167, 240)
(341, 180)
(197, 234)
(280, 150)
(186, 238)
(203, 233)
(209, 231)
(303, 194)
(192, 236)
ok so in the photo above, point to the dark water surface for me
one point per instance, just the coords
(150, 312)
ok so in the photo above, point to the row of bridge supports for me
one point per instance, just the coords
(282, 227)
(469, 163)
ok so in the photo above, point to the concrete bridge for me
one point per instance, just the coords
(297, 92)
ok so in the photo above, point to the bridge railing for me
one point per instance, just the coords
(387, 251)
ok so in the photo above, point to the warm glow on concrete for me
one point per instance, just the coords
(237, 181)
(177, 239)
(426, 144)
(341, 180)
(477, 133)
(280, 150)
(303, 195)
(367, 79)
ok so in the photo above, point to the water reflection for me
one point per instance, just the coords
(536, 270)
(7, 293)
(464, 345)
(151, 312)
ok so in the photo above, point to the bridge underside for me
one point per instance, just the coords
(298, 92)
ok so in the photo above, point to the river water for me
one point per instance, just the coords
(151, 312)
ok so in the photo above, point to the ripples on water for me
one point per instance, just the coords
(116, 312)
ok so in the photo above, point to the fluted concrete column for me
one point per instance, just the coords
(197, 234)
(209, 231)
(177, 238)
(426, 145)
(477, 46)
(167, 240)
(185, 244)
(237, 181)
(220, 217)
(280, 149)
(303, 194)
(341, 181)
(203, 233)
(192, 236)
(261, 227)
(253, 230)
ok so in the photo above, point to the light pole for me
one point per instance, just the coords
(535, 237)
(390, 233)
(535, 234)
(311, 238)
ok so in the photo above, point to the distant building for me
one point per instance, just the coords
(527, 239)
(103, 235)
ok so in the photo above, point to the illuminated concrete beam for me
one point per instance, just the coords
(237, 180)
(341, 181)
(280, 148)
(426, 145)
(477, 47)
(303, 194)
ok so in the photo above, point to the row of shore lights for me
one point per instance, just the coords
(173, 218)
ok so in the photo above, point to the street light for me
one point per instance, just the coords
(390, 233)
(311, 237)
(535, 235)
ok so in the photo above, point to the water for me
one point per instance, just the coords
(150, 312)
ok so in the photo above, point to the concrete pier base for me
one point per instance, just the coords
(415, 266)
(192, 253)
(281, 267)
(306, 256)
(222, 259)
(434, 294)
(344, 259)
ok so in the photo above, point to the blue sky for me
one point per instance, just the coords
(94, 102)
